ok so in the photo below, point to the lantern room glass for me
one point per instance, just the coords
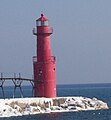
(42, 23)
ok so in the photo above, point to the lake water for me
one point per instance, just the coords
(100, 91)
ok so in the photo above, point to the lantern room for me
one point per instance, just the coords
(42, 21)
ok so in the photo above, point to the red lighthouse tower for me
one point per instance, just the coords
(44, 63)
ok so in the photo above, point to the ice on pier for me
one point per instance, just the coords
(27, 106)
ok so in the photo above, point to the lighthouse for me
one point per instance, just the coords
(44, 64)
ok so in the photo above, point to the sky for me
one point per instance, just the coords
(81, 40)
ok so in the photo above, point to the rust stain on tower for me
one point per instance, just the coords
(44, 63)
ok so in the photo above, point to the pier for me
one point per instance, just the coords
(17, 82)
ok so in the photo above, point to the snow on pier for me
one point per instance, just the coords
(27, 106)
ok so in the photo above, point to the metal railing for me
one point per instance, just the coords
(16, 81)
(50, 31)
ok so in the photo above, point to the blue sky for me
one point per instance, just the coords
(81, 40)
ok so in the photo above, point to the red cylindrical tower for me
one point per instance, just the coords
(44, 63)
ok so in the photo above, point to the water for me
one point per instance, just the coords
(100, 91)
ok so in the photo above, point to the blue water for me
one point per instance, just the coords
(100, 91)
